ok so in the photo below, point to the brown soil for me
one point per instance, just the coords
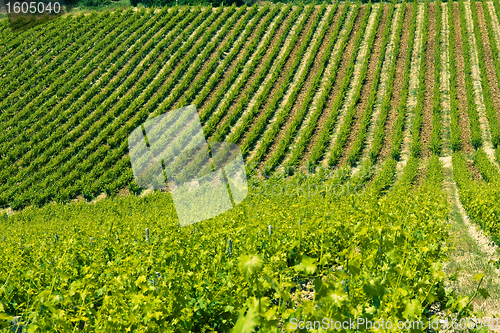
(282, 75)
(488, 59)
(397, 85)
(461, 91)
(124, 192)
(422, 168)
(367, 86)
(346, 57)
(426, 131)
(474, 171)
(303, 91)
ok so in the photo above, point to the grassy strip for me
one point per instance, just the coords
(455, 136)
(435, 145)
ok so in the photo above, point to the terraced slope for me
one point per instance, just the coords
(327, 85)
(377, 101)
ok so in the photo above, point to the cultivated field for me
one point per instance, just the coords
(383, 120)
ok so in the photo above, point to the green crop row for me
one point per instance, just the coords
(385, 177)
(186, 80)
(251, 48)
(294, 127)
(488, 170)
(18, 43)
(54, 55)
(398, 131)
(494, 49)
(455, 136)
(338, 146)
(472, 112)
(491, 113)
(213, 123)
(436, 141)
(45, 114)
(104, 107)
(299, 117)
(321, 145)
(416, 144)
(27, 50)
(272, 108)
(379, 135)
(223, 129)
(307, 133)
(359, 144)
(137, 110)
(81, 112)
(183, 135)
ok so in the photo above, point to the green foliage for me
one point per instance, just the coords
(480, 200)
(490, 111)
(366, 257)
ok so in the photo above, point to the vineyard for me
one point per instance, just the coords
(383, 119)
